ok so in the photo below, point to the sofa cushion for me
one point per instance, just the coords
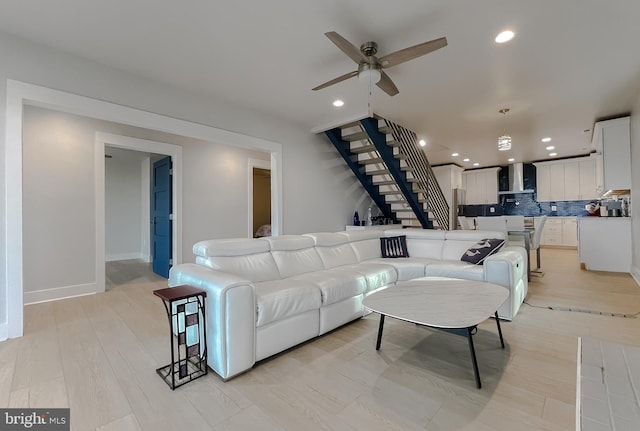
(334, 249)
(365, 243)
(394, 246)
(294, 255)
(230, 247)
(247, 258)
(477, 253)
(455, 269)
(377, 274)
(409, 268)
(422, 242)
(336, 284)
(279, 299)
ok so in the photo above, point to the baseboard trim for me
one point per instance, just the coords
(4, 331)
(635, 273)
(57, 293)
(124, 256)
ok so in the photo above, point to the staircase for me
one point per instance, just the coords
(395, 172)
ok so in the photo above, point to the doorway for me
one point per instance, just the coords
(129, 203)
(260, 192)
(261, 202)
(148, 152)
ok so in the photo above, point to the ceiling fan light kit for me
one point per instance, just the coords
(368, 74)
(370, 67)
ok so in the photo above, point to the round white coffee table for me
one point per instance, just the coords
(449, 304)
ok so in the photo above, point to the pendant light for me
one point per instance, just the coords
(504, 141)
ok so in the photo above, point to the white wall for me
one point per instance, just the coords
(58, 204)
(635, 190)
(319, 192)
(123, 207)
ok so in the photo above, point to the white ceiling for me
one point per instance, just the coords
(572, 61)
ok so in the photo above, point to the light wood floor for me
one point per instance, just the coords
(97, 355)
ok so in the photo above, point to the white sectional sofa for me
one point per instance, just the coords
(269, 294)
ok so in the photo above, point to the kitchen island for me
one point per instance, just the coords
(604, 243)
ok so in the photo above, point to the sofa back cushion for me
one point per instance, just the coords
(334, 249)
(365, 243)
(457, 242)
(244, 257)
(294, 255)
(422, 242)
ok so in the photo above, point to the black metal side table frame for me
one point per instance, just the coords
(185, 307)
(465, 332)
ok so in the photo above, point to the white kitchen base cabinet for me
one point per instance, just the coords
(604, 243)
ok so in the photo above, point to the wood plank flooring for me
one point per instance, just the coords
(98, 354)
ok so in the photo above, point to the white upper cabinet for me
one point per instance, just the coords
(481, 186)
(580, 179)
(612, 140)
(566, 180)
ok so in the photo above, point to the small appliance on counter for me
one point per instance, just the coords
(611, 209)
(593, 209)
(615, 203)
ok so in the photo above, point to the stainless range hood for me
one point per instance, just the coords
(516, 180)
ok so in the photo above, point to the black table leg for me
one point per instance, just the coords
(380, 332)
(499, 330)
(474, 361)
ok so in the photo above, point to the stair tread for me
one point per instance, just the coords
(378, 172)
(358, 136)
(370, 161)
(363, 149)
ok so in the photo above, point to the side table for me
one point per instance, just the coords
(188, 333)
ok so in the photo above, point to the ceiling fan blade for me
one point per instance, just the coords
(346, 47)
(412, 52)
(387, 85)
(336, 80)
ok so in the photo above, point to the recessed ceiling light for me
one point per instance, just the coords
(476, 164)
(550, 147)
(466, 160)
(547, 139)
(511, 160)
(454, 154)
(505, 36)
(338, 103)
(422, 142)
(553, 154)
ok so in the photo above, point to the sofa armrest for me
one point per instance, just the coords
(508, 268)
(231, 316)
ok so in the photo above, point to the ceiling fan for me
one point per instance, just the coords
(371, 66)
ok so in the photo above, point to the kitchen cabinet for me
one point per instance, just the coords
(481, 186)
(566, 180)
(569, 231)
(580, 179)
(556, 176)
(612, 140)
(604, 243)
(558, 232)
(552, 232)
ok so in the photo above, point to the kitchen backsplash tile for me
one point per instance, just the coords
(525, 204)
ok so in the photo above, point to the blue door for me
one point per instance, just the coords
(161, 216)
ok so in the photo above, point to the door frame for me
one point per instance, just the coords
(262, 164)
(103, 139)
(19, 94)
